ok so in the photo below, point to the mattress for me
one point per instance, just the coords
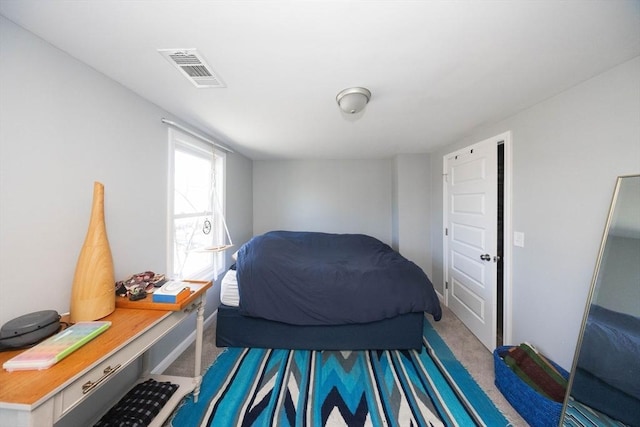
(229, 294)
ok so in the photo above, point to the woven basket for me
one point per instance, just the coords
(536, 409)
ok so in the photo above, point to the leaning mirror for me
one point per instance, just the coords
(604, 385)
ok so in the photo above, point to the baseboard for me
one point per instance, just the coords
(181, 347)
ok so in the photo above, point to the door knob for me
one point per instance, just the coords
(485, 257)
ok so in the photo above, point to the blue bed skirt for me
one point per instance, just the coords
(400, 332)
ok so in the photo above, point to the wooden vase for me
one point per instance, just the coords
(93, 290)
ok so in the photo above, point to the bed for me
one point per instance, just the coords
(322, 291)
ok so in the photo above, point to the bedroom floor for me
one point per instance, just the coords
(465, 346)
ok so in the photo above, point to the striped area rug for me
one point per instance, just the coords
(263, 387)
(579, 415)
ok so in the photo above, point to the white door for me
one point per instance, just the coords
(471, 237)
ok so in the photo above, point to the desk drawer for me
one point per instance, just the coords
(82, 387)
(85, 384)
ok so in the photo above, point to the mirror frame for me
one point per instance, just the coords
(592, 289)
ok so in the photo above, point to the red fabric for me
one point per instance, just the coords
(537, 374)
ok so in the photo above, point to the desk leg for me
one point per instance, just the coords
(198, 361)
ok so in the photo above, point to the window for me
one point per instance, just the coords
(196, 190)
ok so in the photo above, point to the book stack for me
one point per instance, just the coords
(172, 292)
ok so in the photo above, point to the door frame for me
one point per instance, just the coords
(507, 247)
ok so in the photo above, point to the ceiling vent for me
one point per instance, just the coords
(192, 66)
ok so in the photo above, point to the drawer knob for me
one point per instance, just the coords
(90, 385)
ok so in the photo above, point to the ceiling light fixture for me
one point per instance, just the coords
(353, 99)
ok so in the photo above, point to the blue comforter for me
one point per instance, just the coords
(608, 368)
(308, 278)
(618, 336)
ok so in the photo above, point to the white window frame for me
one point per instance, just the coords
(184, 142)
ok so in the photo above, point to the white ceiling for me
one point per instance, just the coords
(437, 69)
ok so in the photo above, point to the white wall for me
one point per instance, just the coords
(386, 198)
(63, 126)
(334, 196)
(412, 191)
(619, 275)
(567, 153)
(238, 207)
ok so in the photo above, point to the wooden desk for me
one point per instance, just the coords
(41, 398)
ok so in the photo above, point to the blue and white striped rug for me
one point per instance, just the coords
(580, 415)
(258, 387)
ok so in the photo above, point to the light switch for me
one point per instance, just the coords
(518, 239)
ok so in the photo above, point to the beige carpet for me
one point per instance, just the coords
(477, 359)
(465, 346)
